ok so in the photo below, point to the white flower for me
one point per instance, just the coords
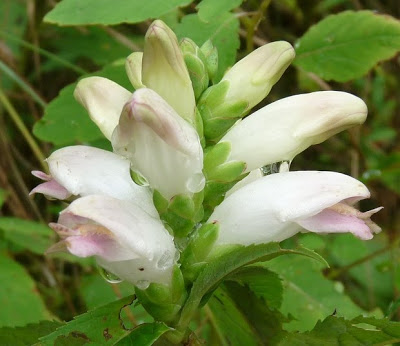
(81, 171)
(161, 146)
(277, 206)
(125, 240)
(285, 128)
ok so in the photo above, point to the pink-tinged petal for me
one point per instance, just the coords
(41, 175)
(330, 221)
(51, 189)
(84, 170)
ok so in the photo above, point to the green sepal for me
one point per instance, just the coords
(198, 123)
(211, 55)
(181, 213)
(227, 172)
(201, 244)
(215, 156)
(214, 194)
(164, 302)
(213, 96)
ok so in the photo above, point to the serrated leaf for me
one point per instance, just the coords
(101, 326)
(26, 335)
(337, 331)
(210, 9)
(264, 283)
(345, 46)
(30, 235)
(144, 335)
(218, 269)
(78, 12)
(20, 301)
(222, 31)
(66, 122)
(308, 296)
(231, 325)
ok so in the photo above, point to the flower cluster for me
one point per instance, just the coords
(188, 171)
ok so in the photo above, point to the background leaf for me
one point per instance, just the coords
(77, 12)
(30, 235)
(345, 46)
(308, 296)
(222, 31)
(144, 335)
(19, 298)
(210, 9)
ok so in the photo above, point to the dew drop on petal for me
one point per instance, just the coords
(142, 284)
(196, 182)
(165, 261)
(109, 277)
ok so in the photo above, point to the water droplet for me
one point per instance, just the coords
(142, 284)
(139, 179)
(165, 261)
(109, 277)
(196, 182)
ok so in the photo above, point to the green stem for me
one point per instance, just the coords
(44, 52)
(10, 73)
(22, 128)
(253, 24)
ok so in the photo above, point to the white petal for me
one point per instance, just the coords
(86, 170)
(161, 145)
(268, 209)
(151, 246)
(286, 127)
(104, 100)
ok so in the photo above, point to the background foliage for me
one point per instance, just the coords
(348, 45)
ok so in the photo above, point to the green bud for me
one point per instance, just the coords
(211, 55)
(181, 213)
(196, 64)
(195, 255)
(164, 302)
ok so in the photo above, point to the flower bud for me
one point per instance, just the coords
(247, 83)
(161, 146)
(133, 67)
(164, 70)
(104, 100)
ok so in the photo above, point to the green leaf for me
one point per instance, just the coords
(66, 122)
(226, 264)
(210, 9)
(345, 46)
(101, 326)
(27, 335)
(78, 12)
(308, 296)
(223, 33)
(337, 331)
(144, 335)
(20, 301)
(30, 235)
(264, 283)
(230, 324)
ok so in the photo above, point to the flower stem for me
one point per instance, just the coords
(22, 128)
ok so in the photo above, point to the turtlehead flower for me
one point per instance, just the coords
(162, 147)
(125, 240)
(285, 128)
(81, 171)
(278, 206)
